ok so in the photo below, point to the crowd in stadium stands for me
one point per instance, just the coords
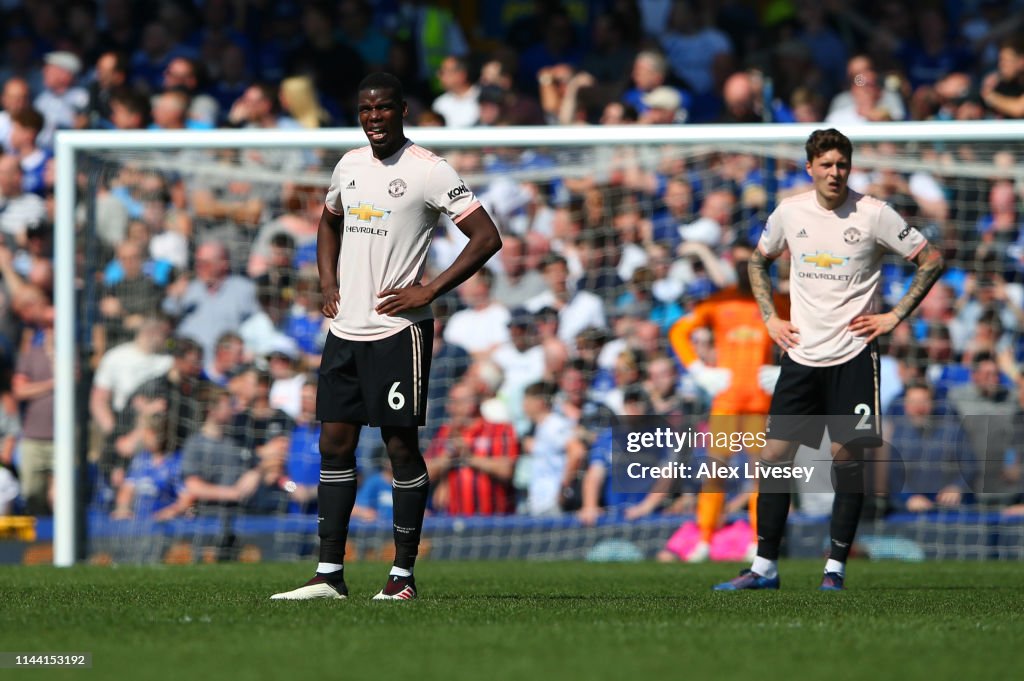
(206, 323)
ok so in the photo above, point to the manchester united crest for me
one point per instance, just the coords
(397, 188)
(851, 236)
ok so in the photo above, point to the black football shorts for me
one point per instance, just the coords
(843, 397)
(379, 382)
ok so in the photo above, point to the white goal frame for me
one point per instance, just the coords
(69, 143)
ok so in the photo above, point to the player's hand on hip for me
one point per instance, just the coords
(401, 299)
(783, 332)
(711, 380)
(871, 326)
(332, 298)
(768, 376)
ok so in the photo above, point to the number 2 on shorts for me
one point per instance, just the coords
(862, 409)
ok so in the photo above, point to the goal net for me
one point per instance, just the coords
(645, 219)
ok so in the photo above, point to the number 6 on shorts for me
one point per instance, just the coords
(396, 400)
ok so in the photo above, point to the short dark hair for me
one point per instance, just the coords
(182, 347)
(543, 389)
(29, 118)
(381, 80)
(919, 384)
(550, 259)
(822, 141)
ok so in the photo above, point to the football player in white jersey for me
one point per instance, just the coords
(836, 239)
(380, 212)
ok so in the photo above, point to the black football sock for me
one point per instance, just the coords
(336, 496)
(772, 511)
(846, 507)
(410, 490)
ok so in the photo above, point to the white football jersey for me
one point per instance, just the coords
(390, 208)
(835, 272)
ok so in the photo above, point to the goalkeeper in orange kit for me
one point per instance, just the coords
(740, 384)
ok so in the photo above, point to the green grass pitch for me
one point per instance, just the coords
(522, 620)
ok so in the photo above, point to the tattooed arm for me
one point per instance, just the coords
(781, 331)
(929, 268)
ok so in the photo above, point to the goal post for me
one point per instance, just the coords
(764, 139)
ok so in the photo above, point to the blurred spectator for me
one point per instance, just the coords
(459, 103)
(517, 282)
(471, 459)
(14, 99)
(60, 102)
(214, 302)
(928, 453)
(482, 325)
(109, 76)
(25, 127)
(298, 99)
(153, 484)
(742, 100)
(866, 104)
(19, 211)
(21, 58)
(698, 53)
(600, 492)
(598, 252)
(303, 467)
(714, 226)
(522, 362)
(156, 50)
(934, 53)
(576, 309)
(664, 397)
(549, 474)
(676, 211)
(885, 104)
(1003, 90)
(807, 106)
(217, 471)
(447, 366)
(265, 331)
(612, 47)
(355, 18)
(129, 110)
(226, 359)
(122, 370)
(321, 56)
(183, 74)
(663, 106)
(306, 323)
(821, 39)
(986, 407)
(170, 111)
(32, 387)
(374, 500)
(286, 391)
(277, 276)
(177, 393)
(257, 426)
(558, 44)
(649, 72)
(231, 78)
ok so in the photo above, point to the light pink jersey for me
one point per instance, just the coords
(835, 269)
(390, 209)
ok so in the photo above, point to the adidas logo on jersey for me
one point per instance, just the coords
(351, 185)
(802, 234)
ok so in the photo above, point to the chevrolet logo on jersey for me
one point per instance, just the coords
(365, 212)
(824, 260)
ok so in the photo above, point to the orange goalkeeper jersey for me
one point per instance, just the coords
(742, 345)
